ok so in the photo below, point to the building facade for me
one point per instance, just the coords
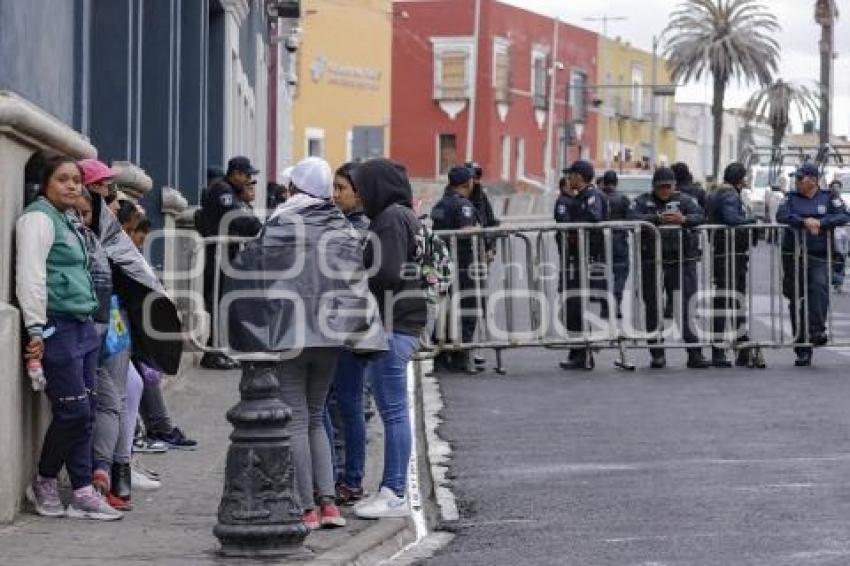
(341, 105)
(624, 99)
(485, 81)
(161, 90)
(695, 143)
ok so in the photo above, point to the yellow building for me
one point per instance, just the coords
(625, 132)
(341, 108)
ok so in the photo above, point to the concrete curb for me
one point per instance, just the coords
(372, 545)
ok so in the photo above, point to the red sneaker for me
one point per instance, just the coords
(331, 517)
(117, 503)
(311, 519)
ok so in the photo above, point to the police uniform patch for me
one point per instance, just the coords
(226, 199)
(562, 209)
(591, 200)
(821, 209)
(467, 211)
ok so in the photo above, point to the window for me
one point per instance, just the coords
(501, 69)
(452, 72)
(314, 142)
(446, 153)
(506, 158)
(578, 94)
(637, 93)
(538, 77)
(520, 158)
(367, 142)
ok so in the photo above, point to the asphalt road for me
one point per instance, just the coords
(671, 467)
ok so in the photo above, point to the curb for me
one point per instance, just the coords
(372, 545)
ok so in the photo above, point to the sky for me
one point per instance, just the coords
(798, 40)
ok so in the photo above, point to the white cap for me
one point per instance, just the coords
(314, 177)
(286, 176)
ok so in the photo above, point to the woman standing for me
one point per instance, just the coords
(57, 299)
(396, 246)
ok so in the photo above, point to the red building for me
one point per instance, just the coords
(434, 57)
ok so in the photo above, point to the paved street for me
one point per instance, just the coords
(676, 467)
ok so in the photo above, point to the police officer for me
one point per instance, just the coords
(580, 202)
(456, 212)
(813, 214)
(618, 209)
(685, 184)
(665, 207)
(226, 197)
(731, 260)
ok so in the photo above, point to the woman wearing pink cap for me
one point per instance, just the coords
(96, 178)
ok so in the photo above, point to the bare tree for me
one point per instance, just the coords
(727, 38)
(774, 103)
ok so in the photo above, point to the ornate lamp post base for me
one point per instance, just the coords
(259, 514)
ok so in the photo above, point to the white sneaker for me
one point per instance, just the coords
(138, 480)
(384, 504)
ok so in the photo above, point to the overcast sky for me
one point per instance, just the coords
(799, 41)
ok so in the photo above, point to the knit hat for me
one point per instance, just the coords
(314, 177)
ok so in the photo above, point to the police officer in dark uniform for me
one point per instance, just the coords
(685, 184)
(618, 209)
(813, 214)
(731, 260)
(666, 207)
(225, 198)
(456, 212)
(581, 202)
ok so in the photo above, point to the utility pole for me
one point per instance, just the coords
(473, 87)
(653, 119)
(550, 119)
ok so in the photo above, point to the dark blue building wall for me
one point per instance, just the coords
(37, 53)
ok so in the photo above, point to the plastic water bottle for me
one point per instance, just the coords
(36, 373)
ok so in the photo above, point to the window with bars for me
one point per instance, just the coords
(578, 94)
(538, 78)
(501, 69)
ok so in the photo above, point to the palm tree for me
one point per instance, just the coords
(826, 12)
(773, 103)
(727, 38)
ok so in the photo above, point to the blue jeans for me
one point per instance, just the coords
(70, 365)
(388, 376)
(347, 395)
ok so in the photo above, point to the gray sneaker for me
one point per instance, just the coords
(44, 496)
(92, 506)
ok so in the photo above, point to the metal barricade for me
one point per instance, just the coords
(517, 288)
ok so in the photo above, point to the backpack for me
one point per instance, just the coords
(436, 267)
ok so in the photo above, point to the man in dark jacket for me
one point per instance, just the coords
(392, 254)
(685, 184)
(586, 204)
(731, 260)
(812, 214)
(456, 212)
(479, 199)
(618, 209)
(677, 212)
(224, 213)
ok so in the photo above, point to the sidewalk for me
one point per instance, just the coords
(173, 526)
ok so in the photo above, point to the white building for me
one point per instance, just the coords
(694, 130)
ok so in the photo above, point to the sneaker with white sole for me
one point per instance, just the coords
(92, 506)
(144, 445)
(43, 493)
(385, 504)
(139, 480)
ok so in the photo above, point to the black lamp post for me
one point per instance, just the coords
(259, 514)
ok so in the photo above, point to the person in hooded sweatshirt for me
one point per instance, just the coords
(397, 246)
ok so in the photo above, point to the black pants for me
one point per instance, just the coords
(802, 301)
(670, 278)
(731, 291)
(570, 282)
(472, 292)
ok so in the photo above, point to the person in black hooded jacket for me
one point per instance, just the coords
(392, 255)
